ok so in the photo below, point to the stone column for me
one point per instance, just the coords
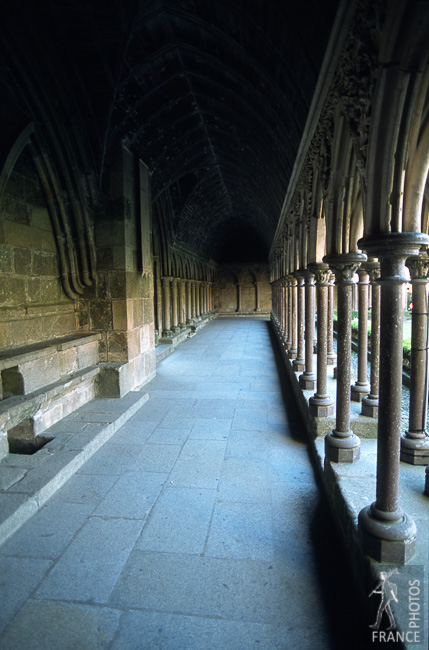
(288, 342)
(415, 441)
(370, 402)
(331, 357)
(342, 445)
(307, 380)
(321, 404)
(299, 362)
(197, 301)
(257, 296)
(239, 286)
(194, 300)
(158, 300)
(205, 298)
(189, 303)
(182, 304)
(284, 311)
(293, 318)
(361, 388)
(211, 297)
(166, 302)
(387, 533)
(174, 309)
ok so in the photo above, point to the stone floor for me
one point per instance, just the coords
(197, 524)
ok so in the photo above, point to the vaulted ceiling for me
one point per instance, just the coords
(212, 95)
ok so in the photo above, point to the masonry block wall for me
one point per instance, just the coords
(242, 289)
(122, 304)
(33, 304)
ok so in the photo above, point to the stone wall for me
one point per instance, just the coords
(121, 305)
(33, 306)
(242, 290)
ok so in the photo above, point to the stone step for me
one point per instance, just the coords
(28, 481)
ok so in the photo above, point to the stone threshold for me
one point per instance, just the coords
(351, 487)
(28, 481)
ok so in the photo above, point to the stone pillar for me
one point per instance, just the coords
(174, 307)
(370, 402)
(257, 296)
(158, 300)
(361, 388)
(211, 299)
(342, 445)
(387, 533)
(307, 380)
(205, 289)
(292, 352)
(166, 303)
(189, 303)
(197, 302)
(239, 286)
(194, 300)
(182, 304)
(331, 357)
(284, 294)
(415, 441)
(321, 404)
(299, 362)
(288, 334)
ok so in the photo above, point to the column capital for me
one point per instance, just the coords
(373, 269)
(418, 266)
(344, 266)
(321, 273)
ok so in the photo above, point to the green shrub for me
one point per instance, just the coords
(407, 346)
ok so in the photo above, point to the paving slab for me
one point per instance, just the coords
(91, 565)
(41, 625)
(179, 522)
(186, 528)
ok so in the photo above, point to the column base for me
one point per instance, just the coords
(298, 365)
(414, 451)
(175, 329)
(321, 406)
(182, 326)
(359, 390)
(370, 406)
(331, 359)
(390, 541)
(341, 447)
(307, 382)
(292, 352)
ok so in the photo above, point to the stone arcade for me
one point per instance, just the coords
(166, 163)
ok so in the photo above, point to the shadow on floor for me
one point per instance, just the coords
(297, 427)
(345, 611)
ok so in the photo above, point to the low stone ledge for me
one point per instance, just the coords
(32, 480)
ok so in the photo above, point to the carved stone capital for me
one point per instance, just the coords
(418, 266)
(345, 266)
(321, 273)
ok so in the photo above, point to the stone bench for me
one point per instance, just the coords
(44, 382)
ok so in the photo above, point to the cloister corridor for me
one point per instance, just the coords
(199, 524)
